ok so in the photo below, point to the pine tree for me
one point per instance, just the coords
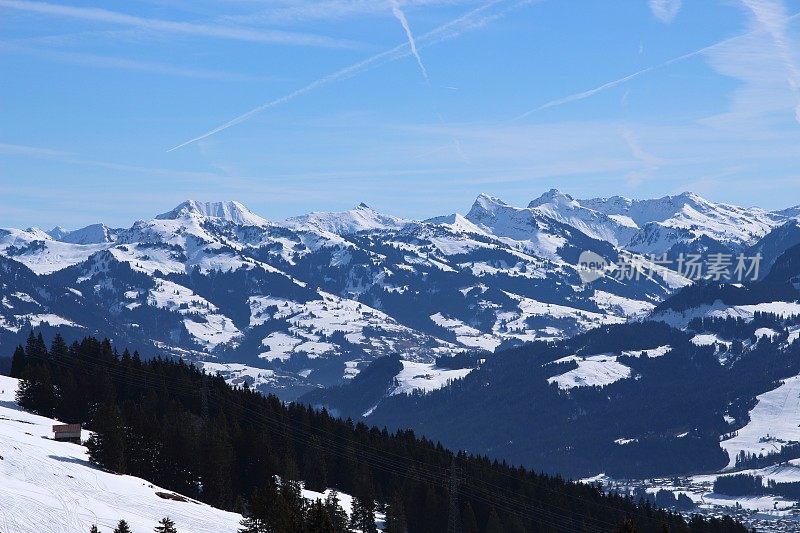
(107, 445)
(94, 529)
(18, 362)
(261, 502)
(122, 527)
(336, 512)
(35, 348)
(217, 449)
(363, 515)
(36, 392)
(165, 525)
(318, 520)
(295, 505)
(314, 472)
(395, 517)
(58, 348)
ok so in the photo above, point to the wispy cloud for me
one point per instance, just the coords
(236, 33)
(31, 151)
(291, 11)
(771, 16)
(665, 10)
(475, 18)
(649, 162)
(38, 152)
(397, 11)
(620, 81)
(110, 62)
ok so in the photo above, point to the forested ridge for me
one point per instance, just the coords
(170, 423)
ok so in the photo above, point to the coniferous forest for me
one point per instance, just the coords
(233, 448)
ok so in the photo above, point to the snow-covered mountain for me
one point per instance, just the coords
(616, 229)
(92, 234)
(360, 218)
(309, 301)
(685, 219)
(230, 211)
(707, 382)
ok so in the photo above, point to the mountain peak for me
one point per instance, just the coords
(360, 218)
(485, 208)
(488, 202)
(58, 233)
(91, 234)
(231, 211)
(553, 196)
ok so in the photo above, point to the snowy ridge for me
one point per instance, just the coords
(230, 211)
(685, 217)
(360, 218)
(564, 208)
(213, 281)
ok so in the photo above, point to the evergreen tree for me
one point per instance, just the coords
(165, 525)
(395, 517)
(217, 466)
(363, 515)
(295, 505)
(94, 529)
(68, 405)
(318, 520)
(122, 527)
(36, 392)
(35, 348)
(261, 503)
(314, 471)
(336, 512)
(107, 445)
(58, 348)
(18, 362)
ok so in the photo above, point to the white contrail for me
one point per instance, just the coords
(399, 15)
(445, 32)
(608, 85)
(172, 26)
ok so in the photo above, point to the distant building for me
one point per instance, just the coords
(68, 433)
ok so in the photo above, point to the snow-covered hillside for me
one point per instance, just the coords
(314, 298)
(51, 486)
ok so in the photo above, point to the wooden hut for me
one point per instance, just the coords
(68, 433)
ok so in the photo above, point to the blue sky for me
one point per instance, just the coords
(296, 105)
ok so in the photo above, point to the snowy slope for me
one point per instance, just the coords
(52, 485)
(592, 371)
(425, 377)
(774, 421)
